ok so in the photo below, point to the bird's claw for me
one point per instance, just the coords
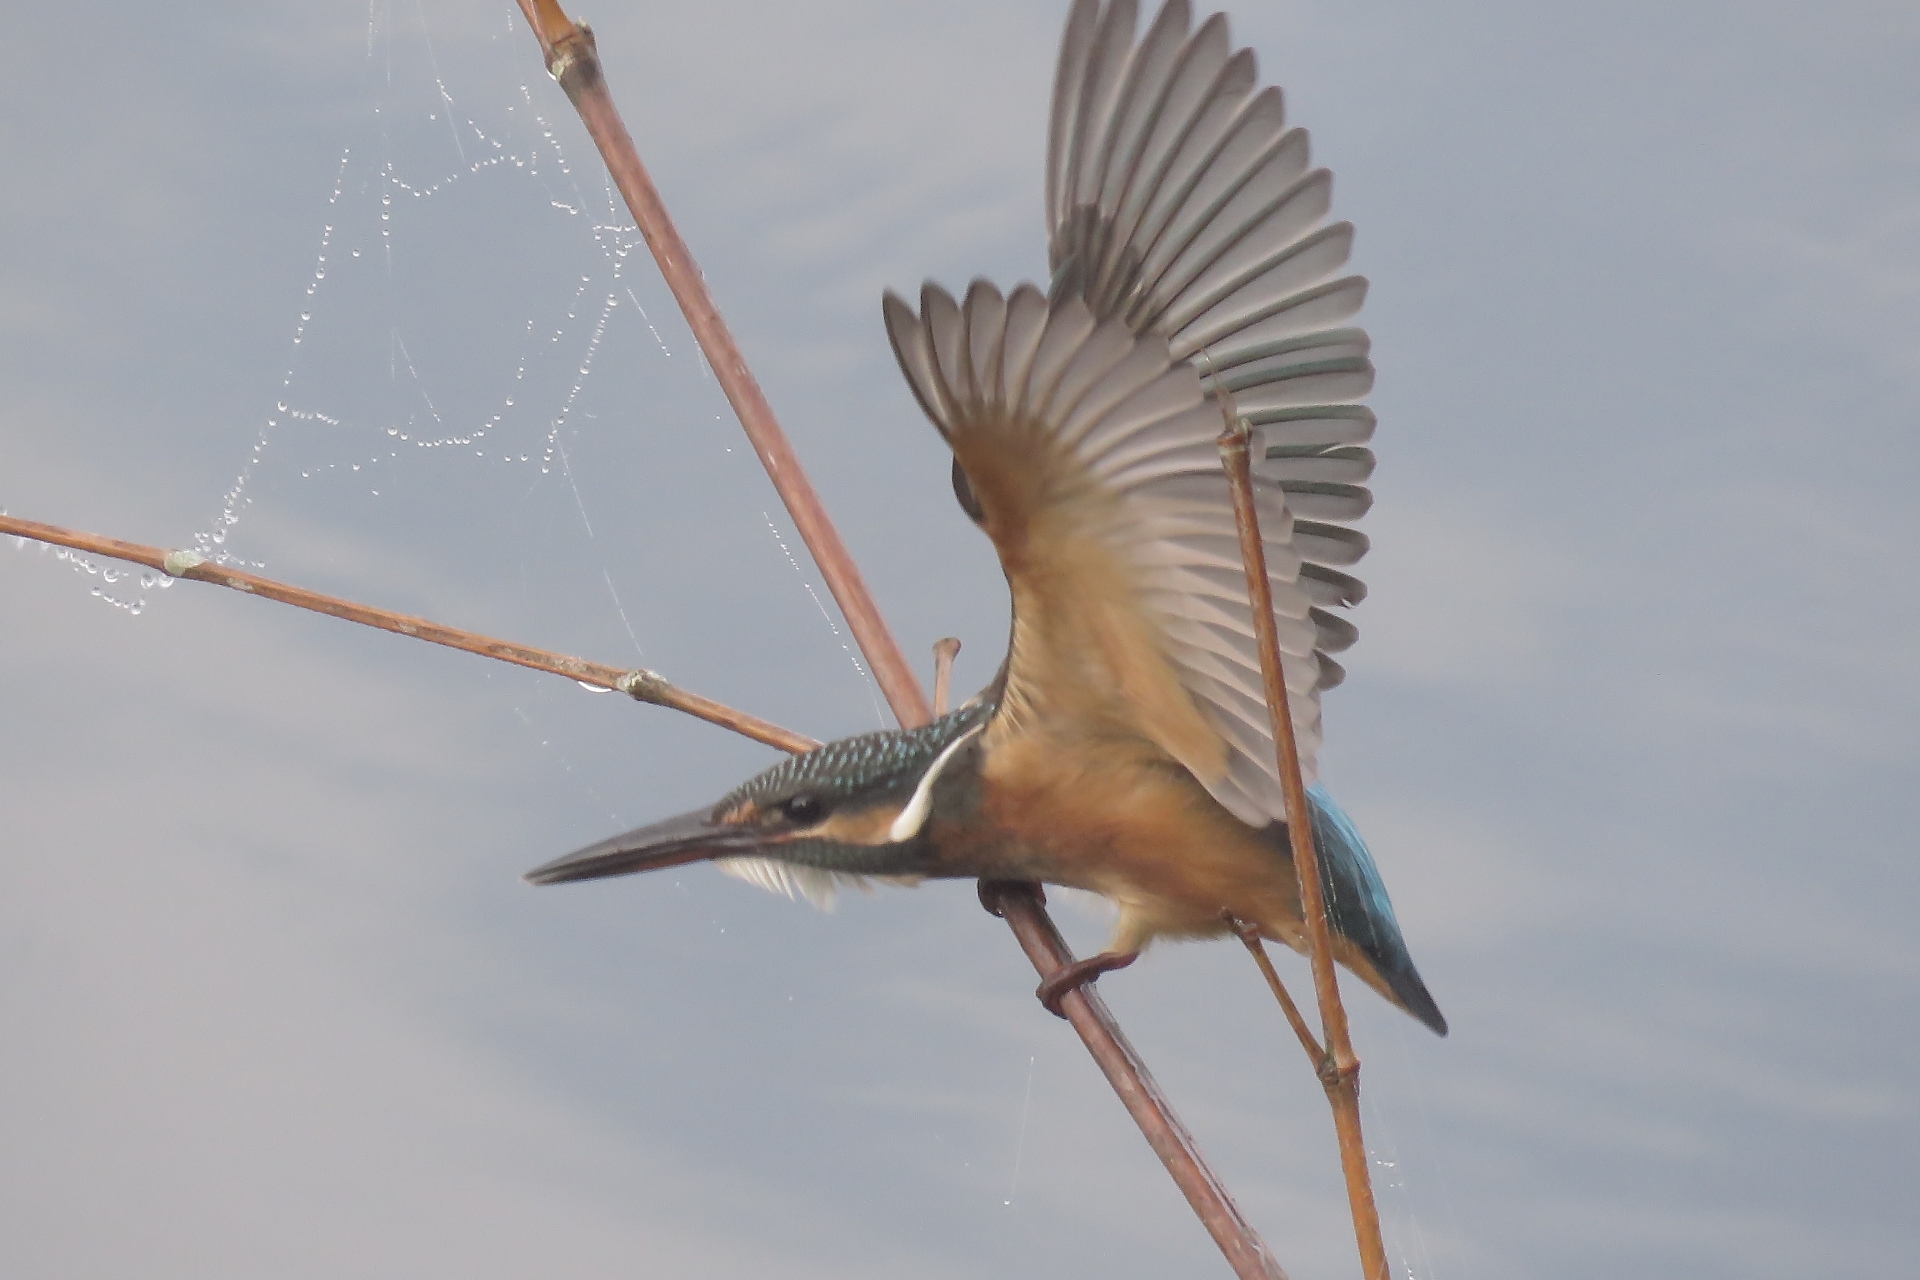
(1054, 988)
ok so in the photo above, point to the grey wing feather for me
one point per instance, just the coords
(1179, 203)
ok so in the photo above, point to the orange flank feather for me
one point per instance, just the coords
(1116, 816)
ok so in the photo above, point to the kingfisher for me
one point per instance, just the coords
(1125, 746)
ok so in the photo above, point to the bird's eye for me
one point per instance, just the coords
(803, 808)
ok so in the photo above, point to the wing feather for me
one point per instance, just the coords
(1075, 46)
(1066, 329)
(1026, 325)
(1194, 212)
(1215, 114)
(1314, 427)
(1099, 480)
(986, 313)
(1104, 349)
(917, 362)
(1099, 85)
(946, 335)
(1233, 291)
(1289, 317)
(1135, 112)
(1335, 464)
(1192, 82)
(1140, 378)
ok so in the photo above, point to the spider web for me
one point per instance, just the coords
(482, 330)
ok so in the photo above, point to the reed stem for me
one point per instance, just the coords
(1338, 1069)
(639, 684)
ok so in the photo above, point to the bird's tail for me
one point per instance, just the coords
(1359, 911)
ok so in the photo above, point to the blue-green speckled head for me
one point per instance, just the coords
(787, 814)
(869, 766)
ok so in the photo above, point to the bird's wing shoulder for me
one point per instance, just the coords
(1179, 202)
(1092, 454)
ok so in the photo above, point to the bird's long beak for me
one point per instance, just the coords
(691, 837)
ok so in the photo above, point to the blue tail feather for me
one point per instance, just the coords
(1358, 907)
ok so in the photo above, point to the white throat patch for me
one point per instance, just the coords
(914, 816)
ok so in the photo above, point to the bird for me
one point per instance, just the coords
(1124, 747)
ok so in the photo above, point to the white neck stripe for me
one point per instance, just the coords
(914, 816)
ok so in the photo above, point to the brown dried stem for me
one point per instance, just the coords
(1245, 1250)
(1338, 1069)
(944, 652)
(640, 684)
(1256, 947)
(574, 62)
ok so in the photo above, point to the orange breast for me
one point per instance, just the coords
(1116, 816)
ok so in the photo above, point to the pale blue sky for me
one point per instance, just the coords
(1632, 724)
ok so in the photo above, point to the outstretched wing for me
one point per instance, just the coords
(1091, 451)
(1180, 203)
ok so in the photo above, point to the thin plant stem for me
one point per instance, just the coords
(574, 61)
(1338, 1069)
(640, 684)
(944, 652)
(1246, 1252)
(1257, 948)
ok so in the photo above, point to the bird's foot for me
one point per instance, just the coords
(1246, 931)
(1078, 974)
(992, 892)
